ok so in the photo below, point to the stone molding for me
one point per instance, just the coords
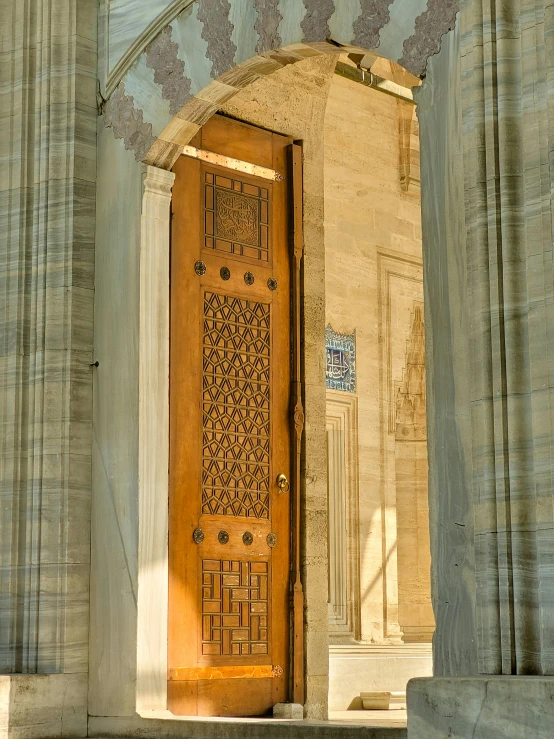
(153, 440)
(344, 519)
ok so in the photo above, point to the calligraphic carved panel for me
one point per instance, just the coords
(236, 407)
(236, 217)
(235, 596)
(340, 361)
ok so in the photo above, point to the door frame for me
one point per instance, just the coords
(153, 439)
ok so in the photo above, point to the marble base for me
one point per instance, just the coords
(43, 706)
(483, 707)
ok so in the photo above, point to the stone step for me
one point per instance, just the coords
(290, 731)
(255, 729)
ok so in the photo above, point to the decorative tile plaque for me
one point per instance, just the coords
(340, 361)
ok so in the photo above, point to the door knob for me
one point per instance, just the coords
(283, 483)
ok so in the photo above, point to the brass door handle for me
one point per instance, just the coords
(282, 483)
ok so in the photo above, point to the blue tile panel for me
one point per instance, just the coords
(340, 361)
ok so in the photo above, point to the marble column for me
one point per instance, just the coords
(497, 91)
(47, 203)
(507, 130)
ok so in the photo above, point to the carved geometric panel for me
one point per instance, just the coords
(235, 607)
(235, 407)
(236, 217)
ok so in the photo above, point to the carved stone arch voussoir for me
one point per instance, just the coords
(193, 65)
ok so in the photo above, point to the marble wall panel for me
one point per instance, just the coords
(153, 451)
(114, 565)
(401, 25)
(128, 19)
(447, 332)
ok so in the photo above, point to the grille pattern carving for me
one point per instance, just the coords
(235, 607)
(236, 407)
(236, 217)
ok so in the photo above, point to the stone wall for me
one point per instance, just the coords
(374, 288)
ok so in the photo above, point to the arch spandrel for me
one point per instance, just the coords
(200, 59)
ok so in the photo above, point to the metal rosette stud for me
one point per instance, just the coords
(247, 538)
(271, 540)
(223, 537)
(249, 278)
(198, 536)
(200, 268)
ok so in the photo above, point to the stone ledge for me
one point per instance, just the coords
(481, 707)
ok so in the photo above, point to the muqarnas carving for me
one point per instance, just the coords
(340, 361)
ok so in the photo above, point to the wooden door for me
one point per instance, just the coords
(229, 521)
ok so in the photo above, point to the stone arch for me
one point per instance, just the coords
(214, 48)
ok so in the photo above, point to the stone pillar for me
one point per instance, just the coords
(47, 203)
(153, 441)
(497, 89)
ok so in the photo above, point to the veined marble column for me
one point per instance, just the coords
(508, 117)
(498, 94)
(47, 203)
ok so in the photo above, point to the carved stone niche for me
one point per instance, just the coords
(415, 614)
